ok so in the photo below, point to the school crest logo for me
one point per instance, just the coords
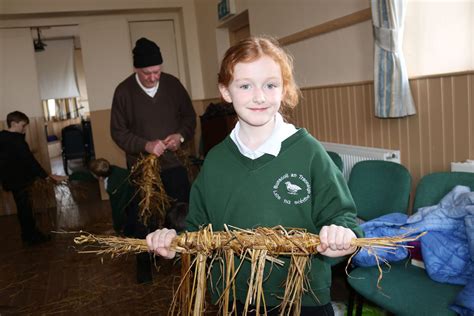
(292, 189)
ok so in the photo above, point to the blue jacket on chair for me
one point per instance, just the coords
(447, 248)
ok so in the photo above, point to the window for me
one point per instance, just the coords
(51, 108)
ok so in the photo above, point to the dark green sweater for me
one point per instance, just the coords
(120, 192)
(301, 187)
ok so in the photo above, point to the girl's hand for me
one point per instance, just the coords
(335, 241)
(159, 242)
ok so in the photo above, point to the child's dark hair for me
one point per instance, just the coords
(176, 216)
(17, 117)
(100, 167)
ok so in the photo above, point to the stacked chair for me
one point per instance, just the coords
(379, 187)
(406, 289)
(336, 158)
(73, 145)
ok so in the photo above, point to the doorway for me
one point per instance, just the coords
(63, 92)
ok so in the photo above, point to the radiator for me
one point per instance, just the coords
(352, 154)
(466, 166)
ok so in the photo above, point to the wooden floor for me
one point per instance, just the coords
(54, 279)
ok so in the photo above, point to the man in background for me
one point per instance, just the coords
(152, 113)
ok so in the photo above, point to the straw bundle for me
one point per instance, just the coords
(47, 197)
(154, 201)
(78, 192)
(182, 154)
(257, 245)
(42, 194)
(45, 193)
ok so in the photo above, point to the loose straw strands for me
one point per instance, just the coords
(154, 201)
(257, 245)
(110, 245)
(295, 286)
(45, 193)
(229, 274)
(183, 156)
(42, 194)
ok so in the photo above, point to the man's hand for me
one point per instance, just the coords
(156, 147)
(173, 141)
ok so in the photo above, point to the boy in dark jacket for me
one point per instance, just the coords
(18, 169)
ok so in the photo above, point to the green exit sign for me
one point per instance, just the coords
(225, 8)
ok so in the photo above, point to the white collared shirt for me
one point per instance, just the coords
(150, 91)
(272, 145)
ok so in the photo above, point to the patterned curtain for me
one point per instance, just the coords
(392, 90)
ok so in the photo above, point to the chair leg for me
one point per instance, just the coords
(360, 304)
(65, 166)
(350, 302)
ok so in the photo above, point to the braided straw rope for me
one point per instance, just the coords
(257, 245)
(276, 241)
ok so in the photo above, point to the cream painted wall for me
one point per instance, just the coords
(106, 53)
(191, 50)
(63, 8)
(337, 57)
(32, 6)
(80, 76)
(206, 19)
(106, 47)
(18, 76)
(81, 80)
(439, 36)
(342, 56)
(106, 64)
(298, 14)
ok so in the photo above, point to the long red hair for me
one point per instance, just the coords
(252, 48)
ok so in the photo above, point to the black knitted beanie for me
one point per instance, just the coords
(146, 53)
